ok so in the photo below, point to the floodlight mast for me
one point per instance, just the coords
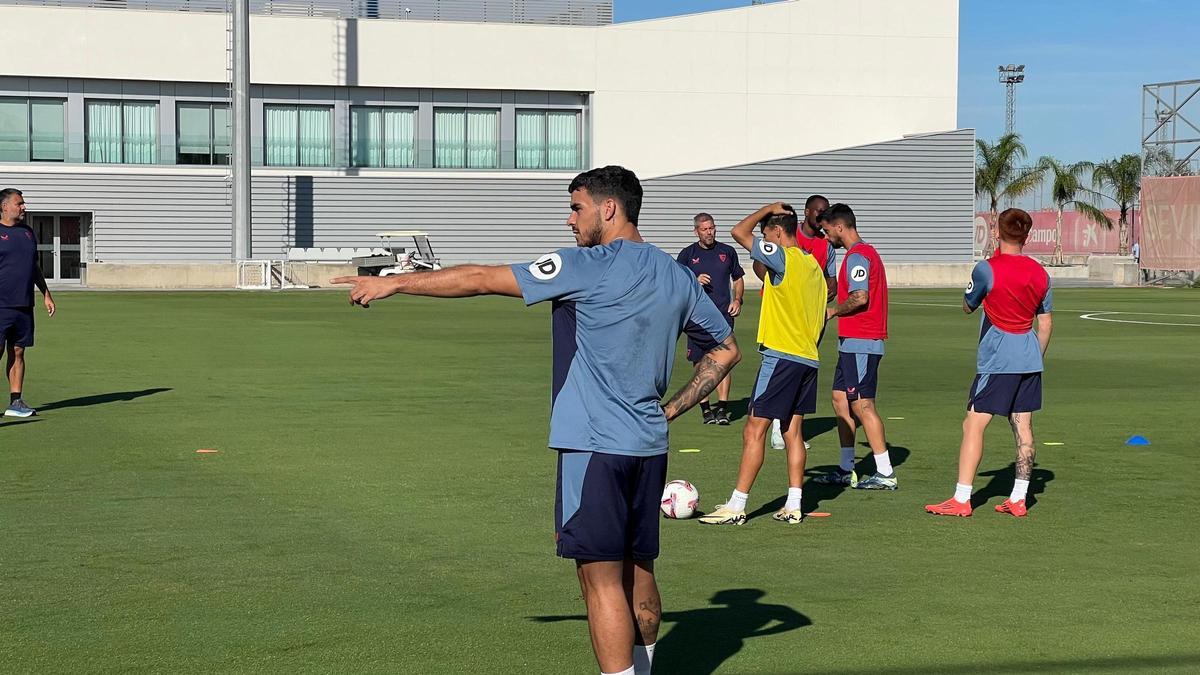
(1010, 76)
(240, 121)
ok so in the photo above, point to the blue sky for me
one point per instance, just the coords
(1085, 64)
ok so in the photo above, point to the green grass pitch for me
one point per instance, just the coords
(381, 500)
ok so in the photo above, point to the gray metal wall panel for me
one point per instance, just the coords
(914, 199)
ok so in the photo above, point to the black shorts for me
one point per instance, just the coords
(695, 350)
(1006, 393)
(784, 388)
(857, 375)
(16, 326)
(606, 507)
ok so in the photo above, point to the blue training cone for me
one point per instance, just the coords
(1137, 440)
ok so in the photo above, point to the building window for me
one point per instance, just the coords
(122, 132)
(466, 138)
(204, 133)
(32, 130)
(548, 139)
(299, 135)
(383, 137)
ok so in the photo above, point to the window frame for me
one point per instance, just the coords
(212, 131)
(465, 109)
(383, 138)
(328, 108)
(29, 101)
(87, 130)
(545, 113)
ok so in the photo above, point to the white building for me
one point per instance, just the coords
(114, 123)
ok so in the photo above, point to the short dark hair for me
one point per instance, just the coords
(1014, 225)
(815, 198)
(8, 192)
(788, 221)
(612, 182)
(823, 216)
(841, 213)
(701, 217)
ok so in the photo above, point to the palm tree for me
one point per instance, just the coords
(1123, 179)
(1066, 184)
(998, 173)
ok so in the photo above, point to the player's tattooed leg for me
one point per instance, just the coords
(1022, 426)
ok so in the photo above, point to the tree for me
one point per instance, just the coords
(998, 174)
(1122, 178)
(1066, 184)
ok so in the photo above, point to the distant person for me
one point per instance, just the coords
(716, 267)
(1013, 290)
(789, 326)
(19, 274)
(619, 305)
(862, 314)
(1143, 275)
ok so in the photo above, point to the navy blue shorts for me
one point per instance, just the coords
(696, 351)
(606, 507)
(857, 375)
(16, 326)
(784, 388)
(1006, 393)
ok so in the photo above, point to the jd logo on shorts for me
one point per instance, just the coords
(546, 267)
(859, 273)
(970, 285)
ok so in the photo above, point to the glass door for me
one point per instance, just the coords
(60, 240)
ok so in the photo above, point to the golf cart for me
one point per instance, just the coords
(394, 259)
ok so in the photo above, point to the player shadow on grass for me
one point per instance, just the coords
(18, 422)
(97, 399)
(816, 493)
(703, 639)
(1001, 484)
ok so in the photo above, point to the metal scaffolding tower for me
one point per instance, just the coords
(1170, 135)
(1010, 76)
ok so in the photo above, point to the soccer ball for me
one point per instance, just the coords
(680, 499)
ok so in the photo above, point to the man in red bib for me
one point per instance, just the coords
(862, 311)
(1014, 291)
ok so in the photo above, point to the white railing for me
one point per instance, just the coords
(553, 12)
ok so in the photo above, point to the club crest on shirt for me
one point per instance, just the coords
(546, 267)
(695, 261)
(723, 257)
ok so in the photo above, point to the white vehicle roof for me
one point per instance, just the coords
(402, 233)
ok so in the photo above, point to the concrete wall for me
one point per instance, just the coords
(670, 95)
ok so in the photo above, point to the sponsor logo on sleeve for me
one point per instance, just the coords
(767, 247)
(858, 273)
(546, 267)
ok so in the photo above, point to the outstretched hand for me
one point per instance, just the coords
(367, 289)
(49, 305)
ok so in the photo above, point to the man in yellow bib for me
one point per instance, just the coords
(789, 326)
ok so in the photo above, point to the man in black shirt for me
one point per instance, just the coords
(715, 266)
(19, 273)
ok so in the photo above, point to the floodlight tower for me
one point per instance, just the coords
(1010, 76)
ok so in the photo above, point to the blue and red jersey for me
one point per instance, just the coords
(863, 332)
(1013, 290)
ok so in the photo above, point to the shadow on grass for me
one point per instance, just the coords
(98, 399)
(10, 422)
(1124, 664)
(816, 493)
(1001, 484)
(703, 639)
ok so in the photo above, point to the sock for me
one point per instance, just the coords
(1020, 487)
(847, 459)
(721, 404)
(643, 657)
(14, 397)
(793, 499)
(883, 464)
(737, 501)
(704, 407)
(962, 493)
(627, 671)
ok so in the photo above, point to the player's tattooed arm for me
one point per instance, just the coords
(713, 368)
(855, 302)
(1022, 426)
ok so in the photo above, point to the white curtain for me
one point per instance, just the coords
(316, 137)
(531, 140)
(141, 133)
(366, 139)
(400, 130)
(483, 136)
(449, 139)
(281, 136)
(563, 140)
(104, 131)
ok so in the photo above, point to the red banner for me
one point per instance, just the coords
(1080, 235)
(1171, 223)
